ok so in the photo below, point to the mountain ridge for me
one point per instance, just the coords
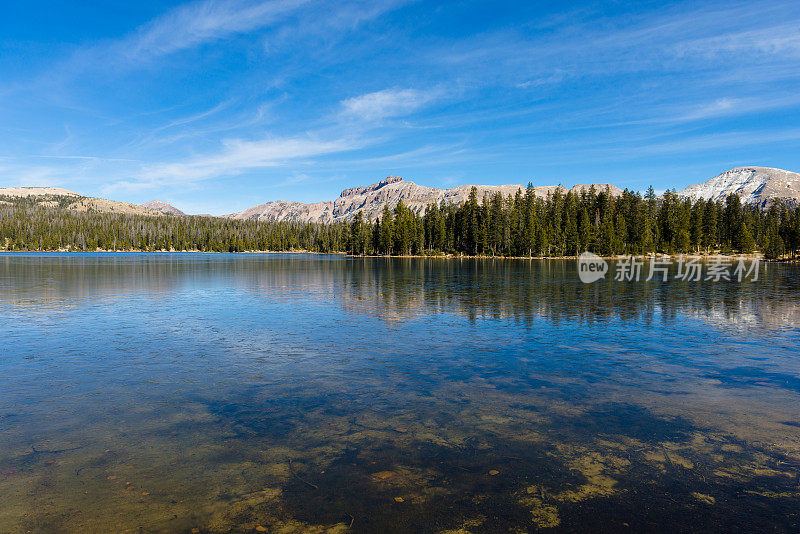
(371, 199)
(64, 198)
(760, 186)
(163, 207)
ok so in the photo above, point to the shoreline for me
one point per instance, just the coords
(136, 251)
(704, 257)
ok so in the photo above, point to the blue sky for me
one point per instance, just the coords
(218, 105)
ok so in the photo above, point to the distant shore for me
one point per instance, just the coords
(443, 256)
(136, 251)
(702, 257)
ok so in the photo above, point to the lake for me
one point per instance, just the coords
(305, 393)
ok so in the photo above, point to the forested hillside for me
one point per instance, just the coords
(28, 224)
(568, 224)
(521, 225)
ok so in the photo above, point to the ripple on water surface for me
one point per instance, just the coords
(291, 393)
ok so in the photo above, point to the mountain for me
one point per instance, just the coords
(755, 185)
(36, 191)
(163, 207)
(759, 186)
(371, 199)
(53, 196)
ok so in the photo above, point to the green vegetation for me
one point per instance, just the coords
(28, 224)
(568, 224)
(521, 225)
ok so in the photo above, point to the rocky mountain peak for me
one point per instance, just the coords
(354, 191)
(371, 199)
(754, 185)
(163, 207)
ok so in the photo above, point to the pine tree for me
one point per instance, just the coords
(710, 237)
(358, 235)
(386, 240)
(585, 229)
(570, 232)
(608, 234)
(472, 222)
(742, 238)
(403, 229)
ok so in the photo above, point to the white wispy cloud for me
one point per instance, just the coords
(555, 78)
(207, 21)
(88, 158)
(298, 69)
(187, 26)
(713, 38)
(236, 156)
(385, 104)
(200, 22)
(634, 148)
(195, 117)
(727, 140)
(779, 40)
(22, 174)
(724, 107)
(721, 106)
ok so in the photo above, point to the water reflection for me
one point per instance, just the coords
(162, 393)
(397, 289)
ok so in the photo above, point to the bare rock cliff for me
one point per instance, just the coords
(371, 199)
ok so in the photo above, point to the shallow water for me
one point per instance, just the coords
(302, 393)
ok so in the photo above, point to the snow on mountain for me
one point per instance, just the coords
(754, 185)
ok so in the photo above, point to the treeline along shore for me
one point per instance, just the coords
(523, 225)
